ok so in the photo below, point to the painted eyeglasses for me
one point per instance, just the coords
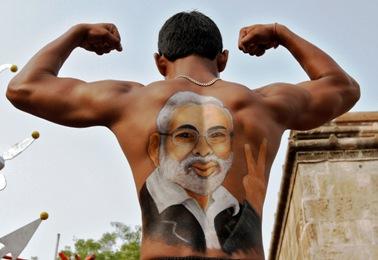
(189, 136)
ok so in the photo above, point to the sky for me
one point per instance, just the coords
(80, 176)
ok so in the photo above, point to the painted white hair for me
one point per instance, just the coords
(180, 99)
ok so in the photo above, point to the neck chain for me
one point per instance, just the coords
(201, 84)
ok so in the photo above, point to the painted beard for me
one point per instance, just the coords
(186, 175)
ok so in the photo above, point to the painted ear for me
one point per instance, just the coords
(161, 63)
(222, 60)
(153, 148)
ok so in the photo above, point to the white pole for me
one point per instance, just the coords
(57, 246)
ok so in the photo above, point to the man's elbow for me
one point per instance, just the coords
(17, 94)
(346, 85)
(356, 93)
(349, 95)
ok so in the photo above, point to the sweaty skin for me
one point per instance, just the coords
(129, 110)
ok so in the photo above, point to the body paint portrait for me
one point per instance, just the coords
(183, 200)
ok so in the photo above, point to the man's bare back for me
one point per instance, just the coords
(200, 155)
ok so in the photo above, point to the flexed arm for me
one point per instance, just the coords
(38, 90)
(329, 92)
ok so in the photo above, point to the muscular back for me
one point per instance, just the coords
(254, 139)
(200, 156)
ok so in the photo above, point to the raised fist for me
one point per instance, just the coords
(100, 38)
(256, 39)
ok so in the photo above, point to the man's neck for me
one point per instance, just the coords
(198, 68)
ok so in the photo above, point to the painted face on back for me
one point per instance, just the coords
(191, 150)
(196, 151)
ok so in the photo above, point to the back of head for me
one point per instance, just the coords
(189, 33)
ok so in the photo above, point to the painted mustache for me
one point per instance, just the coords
(202, 166)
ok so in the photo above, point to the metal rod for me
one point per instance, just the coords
(57, 246)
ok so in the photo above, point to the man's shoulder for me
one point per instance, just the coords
(274, 89)
(115, 87)
(121, 83)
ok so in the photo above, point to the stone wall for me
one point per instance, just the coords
(328, 208)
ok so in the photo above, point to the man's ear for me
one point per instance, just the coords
(222, 60)
(153, 148)
(161, 63)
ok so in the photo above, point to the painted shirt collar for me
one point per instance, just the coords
(166, 193)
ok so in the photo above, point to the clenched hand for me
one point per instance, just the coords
(100, 38)
(256, 39)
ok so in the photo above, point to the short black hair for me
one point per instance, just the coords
(188, 33)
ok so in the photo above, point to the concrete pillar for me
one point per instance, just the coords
(328, 205)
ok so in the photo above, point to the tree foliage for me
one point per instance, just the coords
(121, 244)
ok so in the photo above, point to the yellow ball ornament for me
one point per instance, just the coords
(13, 68)
(35, 134)
(44, 215)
